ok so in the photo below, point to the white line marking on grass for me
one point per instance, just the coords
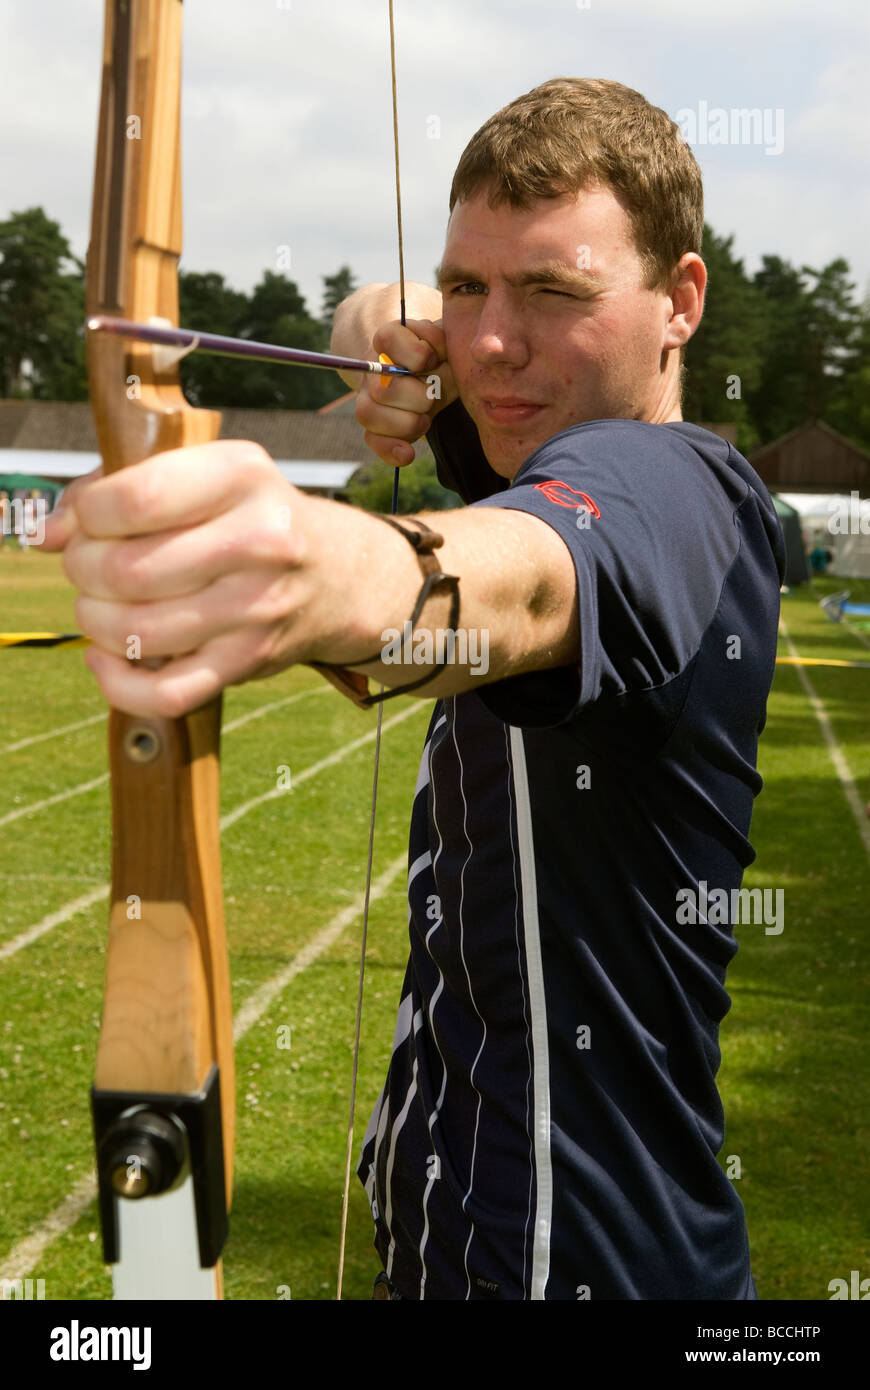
(296, 781)
(258, 713)
(84, 787)
(253, 1009)
(25, 1256)
(53, 800)
(53, 733)
(54, 919)
(838, 758)
(98, 718)
(68, 910)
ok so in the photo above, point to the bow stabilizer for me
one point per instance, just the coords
(164, 1093)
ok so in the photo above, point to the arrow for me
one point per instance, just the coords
(185, 340)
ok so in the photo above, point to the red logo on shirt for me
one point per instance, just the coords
(565, 496)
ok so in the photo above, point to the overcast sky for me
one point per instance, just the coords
(288, 134)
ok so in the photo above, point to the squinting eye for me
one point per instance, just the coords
(471, 288)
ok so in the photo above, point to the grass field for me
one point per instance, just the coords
(795, 1078)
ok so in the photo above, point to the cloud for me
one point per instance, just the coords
(288, 123)
(834, 125)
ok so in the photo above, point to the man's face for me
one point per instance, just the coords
(547, 321)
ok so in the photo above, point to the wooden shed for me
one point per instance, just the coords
(813, 458)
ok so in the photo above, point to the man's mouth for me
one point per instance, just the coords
(509, 410)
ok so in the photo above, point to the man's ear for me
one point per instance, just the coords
(688, 288)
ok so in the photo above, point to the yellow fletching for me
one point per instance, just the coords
(386, 362)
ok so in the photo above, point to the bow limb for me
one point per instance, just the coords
(163, 1097)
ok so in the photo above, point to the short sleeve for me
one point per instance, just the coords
(649, 522)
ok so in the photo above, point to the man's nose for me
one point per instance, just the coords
(500, 336)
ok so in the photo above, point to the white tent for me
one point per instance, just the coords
(852, 539)
(843, 519)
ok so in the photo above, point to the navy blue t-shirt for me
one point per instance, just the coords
(550, 1123)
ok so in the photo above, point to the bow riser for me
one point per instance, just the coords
(165, 1048)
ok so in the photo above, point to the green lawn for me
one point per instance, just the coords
(795, 1078)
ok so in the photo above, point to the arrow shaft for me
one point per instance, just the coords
(185, 340)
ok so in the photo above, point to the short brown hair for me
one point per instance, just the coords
(574, 132)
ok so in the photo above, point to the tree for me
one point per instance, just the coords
(849, 407)
(41, 311)
(814, 345)
(274, 313)
(782, 399)
(336, 288)
(206, 302)
(724, 358)
(833, 334)
(371, 488)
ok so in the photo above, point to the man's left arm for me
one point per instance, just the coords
(207, 560)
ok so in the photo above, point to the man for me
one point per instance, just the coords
(550, 1122)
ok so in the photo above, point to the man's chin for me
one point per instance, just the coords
(507, 456)
(507, 448)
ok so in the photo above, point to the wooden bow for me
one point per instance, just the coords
(164, 1093)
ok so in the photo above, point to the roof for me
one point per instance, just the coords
(57, 439)
(808, 427)
(813, 458)
(344, 405)
(67, 426)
